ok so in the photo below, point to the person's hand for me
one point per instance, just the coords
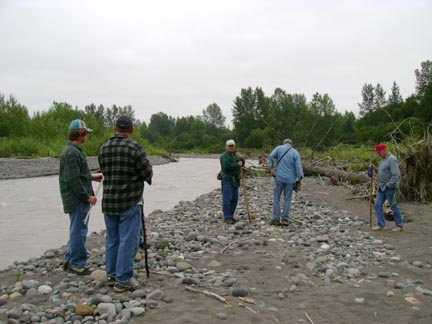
(297, 186)
(240, 163)
(273, 172)
(370, 171)
(92, 200)
(97, 177)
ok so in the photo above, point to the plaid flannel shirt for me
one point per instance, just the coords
(125, 167)
(74, 177)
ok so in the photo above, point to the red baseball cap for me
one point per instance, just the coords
(380, 147)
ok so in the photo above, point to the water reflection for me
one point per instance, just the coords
(32, 219)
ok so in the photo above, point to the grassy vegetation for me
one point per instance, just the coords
(30, 147)
(353, 157)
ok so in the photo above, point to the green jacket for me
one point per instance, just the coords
(74, 177)
(230, 168)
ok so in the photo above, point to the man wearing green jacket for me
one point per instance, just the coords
(77, 194)
(231, 162)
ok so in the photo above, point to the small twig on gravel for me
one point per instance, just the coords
(247, 300)
(299, 221)
(309, 319)
(247, 307)
(163, 273)
(207, 293)
(237, 241)
(322, 181)
(276, 320)
(357, 197)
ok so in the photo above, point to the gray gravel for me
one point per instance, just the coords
(324, 248)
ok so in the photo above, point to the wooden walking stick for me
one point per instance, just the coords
(86, 219)
(144, 239)
(370, 174)
(244, 193)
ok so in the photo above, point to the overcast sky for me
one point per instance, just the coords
(180, 56)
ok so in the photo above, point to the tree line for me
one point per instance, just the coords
(259, 122)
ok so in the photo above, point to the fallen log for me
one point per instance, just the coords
(350, 177)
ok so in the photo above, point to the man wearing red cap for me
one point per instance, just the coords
(388, 178)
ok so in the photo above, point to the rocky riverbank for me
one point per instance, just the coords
(325, 267)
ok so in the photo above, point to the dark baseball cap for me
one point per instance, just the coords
(124, 124)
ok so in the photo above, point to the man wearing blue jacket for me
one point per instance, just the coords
(285, 166)
(388, 178)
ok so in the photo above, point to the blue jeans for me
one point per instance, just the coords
(229, 200)
(76, 253)
(287, 189)
(122, 240)
(381, 197)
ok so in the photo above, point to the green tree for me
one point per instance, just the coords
(183, 124)
(379, 97)
(244, 113)
(423, 78)
(347, 128)
(320, 120)
(14, 118)
(282, 117)
(98, 112)
(113, 113)
(322, 105)
(161, 125)
(368, 99)
(395, 97)
(213, 115)
(250, 111)
(258, 138)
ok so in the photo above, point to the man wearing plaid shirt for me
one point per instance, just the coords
(125, 167)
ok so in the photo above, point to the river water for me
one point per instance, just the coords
(31, 214)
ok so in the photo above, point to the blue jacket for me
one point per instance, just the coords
(289, 169)
(388, 172)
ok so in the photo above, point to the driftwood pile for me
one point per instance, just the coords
(330, 173)
(415, 162)
(416, 169)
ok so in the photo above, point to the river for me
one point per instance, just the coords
(31, 214)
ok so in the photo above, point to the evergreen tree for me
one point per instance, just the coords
(368, 99)
(395, 97)
(379, 98)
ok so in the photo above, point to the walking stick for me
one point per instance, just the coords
(370, 174)
(86, 219)
(244, 193)
(144, 239)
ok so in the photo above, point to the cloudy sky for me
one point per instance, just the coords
(180, 56)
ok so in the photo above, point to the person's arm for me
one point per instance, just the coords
(240, 160)
(144, 167)
(298, 167)
(72, 178)
(272, 156)
(395, 173)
